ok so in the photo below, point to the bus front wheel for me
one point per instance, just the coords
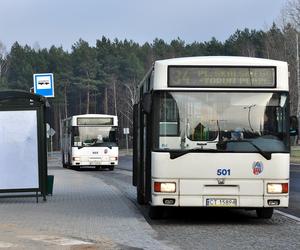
(265, 212)
(63, 160)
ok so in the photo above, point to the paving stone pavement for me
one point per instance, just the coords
(82, 207)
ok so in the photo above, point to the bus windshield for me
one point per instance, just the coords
(89, 136)
(221, 121)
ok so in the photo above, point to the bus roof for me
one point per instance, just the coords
(161, 69)
(221, 60)
(95, 115)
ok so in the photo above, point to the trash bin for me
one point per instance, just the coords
(50, 183)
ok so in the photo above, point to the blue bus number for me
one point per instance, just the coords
(223, 171)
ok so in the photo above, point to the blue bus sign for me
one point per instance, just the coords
(43, 84)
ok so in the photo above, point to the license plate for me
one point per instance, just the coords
(213, 202)
(95, 163)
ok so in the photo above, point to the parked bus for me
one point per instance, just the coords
(90, 140)
(213, 132)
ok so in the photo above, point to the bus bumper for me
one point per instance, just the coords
(207, 193)
(202, 201)
(95, 163)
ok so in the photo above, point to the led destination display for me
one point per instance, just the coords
(240, 77)
(95, 121)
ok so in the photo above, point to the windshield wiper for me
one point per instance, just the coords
(176, 154)
(266, 155)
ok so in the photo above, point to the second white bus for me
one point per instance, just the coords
(90, 140)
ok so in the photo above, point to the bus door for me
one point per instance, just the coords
(142, 154)
(139, 153)
(136, 144)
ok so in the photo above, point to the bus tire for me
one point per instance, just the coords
(63, 160)
(265, 212)
(140, 198)
(68, 164)
(156, 212)
(75, 167)
(111, 168)
(97, 167)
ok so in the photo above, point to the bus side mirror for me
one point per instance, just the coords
(147, 103)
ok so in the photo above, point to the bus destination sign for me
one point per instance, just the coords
(227, 77)
(95, 121)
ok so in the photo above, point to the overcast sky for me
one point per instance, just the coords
(63, 22)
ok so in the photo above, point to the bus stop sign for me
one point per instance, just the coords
(43, 84)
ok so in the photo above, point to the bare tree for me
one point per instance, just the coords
(291, 21)
(3, 61)
(292, 12)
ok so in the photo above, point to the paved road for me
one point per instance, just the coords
(83, 213)
(93, 209)
(294, 206)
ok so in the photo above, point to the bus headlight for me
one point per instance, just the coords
(113, 158)
(165, 187)
(277, 188)
(76, 158)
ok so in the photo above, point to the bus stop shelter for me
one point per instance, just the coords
(23, 151)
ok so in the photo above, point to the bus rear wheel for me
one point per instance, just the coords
(111, 168)
(63, 161)
(265, 212)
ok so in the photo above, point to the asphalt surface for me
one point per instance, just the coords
(201, 228)
(294, 202)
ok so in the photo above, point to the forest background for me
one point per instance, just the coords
(103, 78)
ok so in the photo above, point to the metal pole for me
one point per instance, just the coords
(297, 60)
(127, 143)
(298, 82)
(51, 145)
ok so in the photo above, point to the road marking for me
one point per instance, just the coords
(288, 215)
(57, 240)
(6, 244)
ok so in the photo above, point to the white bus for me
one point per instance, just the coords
(90, 140)
(213, 132)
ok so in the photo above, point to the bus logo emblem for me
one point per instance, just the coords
(257, 167)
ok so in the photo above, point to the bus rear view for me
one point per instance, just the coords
(217, 129)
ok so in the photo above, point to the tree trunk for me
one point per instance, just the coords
(80, 103)
(65, 101)
(115, 98)
(95, 100)
(105, 102)
(88, 100)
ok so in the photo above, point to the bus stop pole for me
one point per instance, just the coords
(51, 145)
(127, 143)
